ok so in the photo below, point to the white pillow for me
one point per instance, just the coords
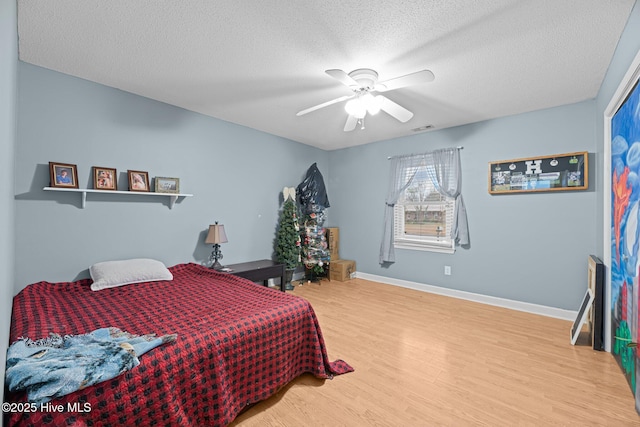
(110, 274)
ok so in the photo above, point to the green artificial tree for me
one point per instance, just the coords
(288, 238)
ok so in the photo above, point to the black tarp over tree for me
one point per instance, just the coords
(313, 200)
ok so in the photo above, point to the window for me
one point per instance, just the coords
(422, 216)
(415, 216)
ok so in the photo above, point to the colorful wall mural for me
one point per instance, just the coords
(625, 237)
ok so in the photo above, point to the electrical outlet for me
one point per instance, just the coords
(447, 270)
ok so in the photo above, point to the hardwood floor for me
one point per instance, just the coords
(427, 360)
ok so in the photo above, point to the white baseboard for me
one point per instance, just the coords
(484, 299)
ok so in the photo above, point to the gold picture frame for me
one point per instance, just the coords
(167, 185)
(558, 172)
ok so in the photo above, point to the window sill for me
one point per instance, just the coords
(443, 249)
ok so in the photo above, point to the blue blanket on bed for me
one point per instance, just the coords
(55, 366)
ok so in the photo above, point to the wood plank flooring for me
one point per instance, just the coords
(428, 360)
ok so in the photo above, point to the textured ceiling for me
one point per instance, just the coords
(257, 63)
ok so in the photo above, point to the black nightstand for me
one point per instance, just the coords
(262, 270)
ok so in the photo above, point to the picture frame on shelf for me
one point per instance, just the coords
(138, 180)
(167, 185)
(63, 175)
(104, 178)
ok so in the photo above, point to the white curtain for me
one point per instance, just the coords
(397, 184)
(444, 169)
(447, 178)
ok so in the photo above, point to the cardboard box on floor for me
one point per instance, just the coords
(341, 269)
(332, 235)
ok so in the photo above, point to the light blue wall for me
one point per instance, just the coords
(526, 247)
(235, 173)
(8, 64)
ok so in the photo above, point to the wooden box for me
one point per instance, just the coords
(341, 269)
(333, 242)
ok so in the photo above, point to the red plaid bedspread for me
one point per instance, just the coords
(238, 343)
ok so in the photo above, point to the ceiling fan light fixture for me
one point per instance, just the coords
(356, 108)
(373, 103)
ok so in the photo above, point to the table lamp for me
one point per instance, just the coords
(216, 236)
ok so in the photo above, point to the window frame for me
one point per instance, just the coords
(444, 244)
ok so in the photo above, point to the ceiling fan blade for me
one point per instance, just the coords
(324, 104)
(419, 77)
(351, 123)
(343, 78)
(394, 110)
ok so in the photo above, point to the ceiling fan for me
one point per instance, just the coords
(364, 82)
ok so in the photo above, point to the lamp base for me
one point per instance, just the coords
(216, 255)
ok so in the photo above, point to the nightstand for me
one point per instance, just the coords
(262, 270)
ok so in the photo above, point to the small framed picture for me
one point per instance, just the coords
(583, 313)
(167, 185)
(104, 178)
(63, 175)
(138, 180)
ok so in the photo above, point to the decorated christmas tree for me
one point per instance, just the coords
(315, 252)
(288, 236)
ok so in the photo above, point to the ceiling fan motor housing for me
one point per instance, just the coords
(366, 77)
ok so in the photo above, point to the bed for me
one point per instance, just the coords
(237, 343)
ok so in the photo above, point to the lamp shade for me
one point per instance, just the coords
(216, 234)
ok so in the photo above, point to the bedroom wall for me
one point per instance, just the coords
(530, 248)
(8, 65)
(235, 173)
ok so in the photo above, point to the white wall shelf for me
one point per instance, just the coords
(173, 197)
